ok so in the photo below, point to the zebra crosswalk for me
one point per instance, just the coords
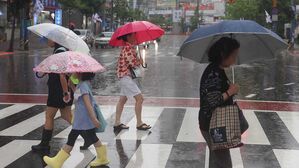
(174, 141)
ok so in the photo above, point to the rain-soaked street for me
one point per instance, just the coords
(269, 92)
(167, 75)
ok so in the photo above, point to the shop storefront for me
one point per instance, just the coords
(48, 11)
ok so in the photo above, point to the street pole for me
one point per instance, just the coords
(274, 15)
(112, 7)
(293, 23)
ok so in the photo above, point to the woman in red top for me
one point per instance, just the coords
(128, 59)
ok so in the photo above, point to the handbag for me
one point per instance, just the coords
(225, 130)
(98, 113)
(100, 117)
(136, 72)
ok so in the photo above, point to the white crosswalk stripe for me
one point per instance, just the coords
(189, 131)
(26, 126)
(287, 158)
(235, 155)
(150, 155)
(290, 119)
(78, 158)
(147, 154)
(13, 150)
(149, 115)
(107, 111)
(16, 108)
(255, 133)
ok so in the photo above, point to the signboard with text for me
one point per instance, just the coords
(58, 16)
(50, 4)
(177, 15)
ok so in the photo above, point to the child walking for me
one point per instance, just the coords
(85, 124)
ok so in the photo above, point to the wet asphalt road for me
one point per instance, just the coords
(166, 76)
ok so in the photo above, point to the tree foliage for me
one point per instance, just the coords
(255, 10)
(87, 7)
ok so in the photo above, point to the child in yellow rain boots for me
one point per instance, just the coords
(85, 124)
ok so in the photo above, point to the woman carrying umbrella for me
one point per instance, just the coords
(216, 91)
(60, 97)
(130, 34)
(128, 59)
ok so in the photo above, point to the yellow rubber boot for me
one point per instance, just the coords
(101, 157)
(58, 160)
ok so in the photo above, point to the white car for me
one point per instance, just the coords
(85, 35)
(102, 40)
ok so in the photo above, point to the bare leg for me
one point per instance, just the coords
(138, 108)
(97, 144)
(67, 148)
(119, 109)
(66, 114)
(50, 114)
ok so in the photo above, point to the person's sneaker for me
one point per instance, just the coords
(40, 147)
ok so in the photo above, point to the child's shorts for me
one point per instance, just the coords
(89, 136)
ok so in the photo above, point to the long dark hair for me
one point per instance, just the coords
(87, 76)
(222, 49)
(124, 37)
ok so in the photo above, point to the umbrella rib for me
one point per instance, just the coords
(265, 44)
(209, 46)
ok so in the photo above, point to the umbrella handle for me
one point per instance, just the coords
(144, 65)
(233, 71)
(40, 76)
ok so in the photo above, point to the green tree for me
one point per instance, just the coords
(121, 10)
(196, 19)
(255, 10)
(86, 7)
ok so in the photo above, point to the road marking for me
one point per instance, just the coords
(207, 157)
(107, 111)
(291, 122)
(149, 116)
(26, 126)
(235, 155)
(189, 131)
(236, 158)
(14, 150)
(269, 88)
(250, 95)
(8, 111)
(287, 158)
(255, 133)
(150, 155)
(289, 84)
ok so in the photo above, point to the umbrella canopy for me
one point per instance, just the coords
(60, 35)
(256, 41)
(69, 62)
(145, 31)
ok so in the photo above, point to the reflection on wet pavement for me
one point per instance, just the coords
(166, 76)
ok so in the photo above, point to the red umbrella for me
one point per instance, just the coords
(145, 31)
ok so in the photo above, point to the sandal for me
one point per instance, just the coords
(120, 127)
(144, 127)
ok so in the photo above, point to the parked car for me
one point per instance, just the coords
(86, 35)
(102, 40)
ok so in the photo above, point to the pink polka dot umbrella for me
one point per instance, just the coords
(69, 62)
